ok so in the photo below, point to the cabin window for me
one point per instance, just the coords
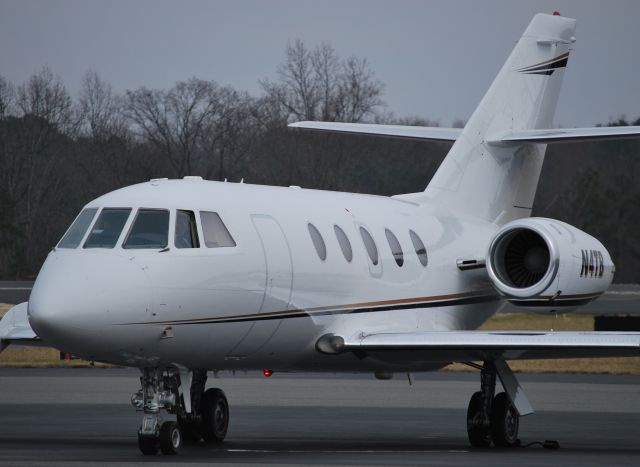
(345, 244)
(421, 251)
(215, 232)
(396, 249)
(107, 229)
(150, 230)
(318, 241)
(186, 235)
(370, 245)
(76, 232)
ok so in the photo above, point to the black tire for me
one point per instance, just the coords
(215, 416)
(148, 445)
(190, 432)
(505, 422)
(170, 438)
(479, 433)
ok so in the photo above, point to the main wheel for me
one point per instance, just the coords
(170, 438)
(190, 431)
(148, 445)
(505, 421)
(478, 430)
(215, 416)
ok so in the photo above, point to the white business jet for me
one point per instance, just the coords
(180, 277)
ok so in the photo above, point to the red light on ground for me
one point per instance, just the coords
(267, 372)
(556, 13)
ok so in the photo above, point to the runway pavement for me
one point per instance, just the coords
(83, 417)
(15, 291)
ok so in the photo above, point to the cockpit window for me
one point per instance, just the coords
(107, 229)
(150, 230)
(215, 232)
(186, 232)
(74, 235)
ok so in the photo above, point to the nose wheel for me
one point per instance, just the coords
(166, 439)
(200, 414)
(170, 438)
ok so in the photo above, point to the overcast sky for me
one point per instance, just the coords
(437, 58)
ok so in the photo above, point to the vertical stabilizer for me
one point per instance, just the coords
(497, 182)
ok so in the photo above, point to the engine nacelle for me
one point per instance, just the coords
(544, 264)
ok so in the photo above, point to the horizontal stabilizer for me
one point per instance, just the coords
(461, 346)
(422, 133)
(15, 328)
(568, 135)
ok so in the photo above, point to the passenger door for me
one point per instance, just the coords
(279, 279)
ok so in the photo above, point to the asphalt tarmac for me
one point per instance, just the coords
(83, 417)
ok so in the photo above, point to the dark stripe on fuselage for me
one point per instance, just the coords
(401, 304)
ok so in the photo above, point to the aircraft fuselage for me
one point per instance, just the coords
(264, 302)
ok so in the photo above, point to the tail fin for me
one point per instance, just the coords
(497, 182)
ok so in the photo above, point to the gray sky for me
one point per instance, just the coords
(437, 58)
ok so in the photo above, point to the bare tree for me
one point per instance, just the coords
(316, 85)
(7, 97)
(179, 121)
(359, 93)
(33, 143)
(100, 107)
(230, 135)
(108, 161)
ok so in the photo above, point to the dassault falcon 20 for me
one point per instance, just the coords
(180, 277)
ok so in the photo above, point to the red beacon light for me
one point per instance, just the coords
(556, 13)
(267, 372)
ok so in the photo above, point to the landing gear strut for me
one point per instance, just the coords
(492, 418)
(200, 414)
(161, 389)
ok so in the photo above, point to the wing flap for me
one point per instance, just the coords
(421, 133)
(568, 135)
(460, 346)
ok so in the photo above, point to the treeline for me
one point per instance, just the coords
(59, 152)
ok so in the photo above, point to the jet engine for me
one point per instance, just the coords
(544, 264)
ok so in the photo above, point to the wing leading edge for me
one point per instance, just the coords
(568, 135)
(15, 328)
(422, 133)
(438, 134)
(462, 346)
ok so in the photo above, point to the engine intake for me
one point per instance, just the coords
(542, 263)
(522, 258)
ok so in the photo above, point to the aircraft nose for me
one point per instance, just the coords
(78, 295)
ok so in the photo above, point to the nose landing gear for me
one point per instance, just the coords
(200, 414)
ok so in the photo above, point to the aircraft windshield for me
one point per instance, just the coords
(74, 235)
(107, 229)
(215, 232)
(186, 235)
(150, 230)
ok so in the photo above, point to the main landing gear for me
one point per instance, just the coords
(199, 414)
(496, 418)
